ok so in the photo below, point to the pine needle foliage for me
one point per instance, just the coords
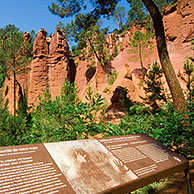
(188, 77)
(153, 87)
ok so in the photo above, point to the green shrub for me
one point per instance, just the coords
(192, 42)
(107, 90)
(151, 188)
(12, 128)
(112, 78)
(66, 117)
(176, 131)
(168, 126)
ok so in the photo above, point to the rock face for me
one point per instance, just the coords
(179, 22)
(48, 69)
(116, 110)
(38, 80)
(58, 68)
(51, 63)
(179, 28)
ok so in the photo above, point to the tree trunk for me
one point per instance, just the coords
(95, 51)
(118, 25)
(173, 83)
(140, 56)
(189, 87)
(14, 91)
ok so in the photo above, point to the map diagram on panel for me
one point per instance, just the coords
(88, 166)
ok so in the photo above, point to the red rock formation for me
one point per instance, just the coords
(38, 80)
(179, 29)
(48, 69)
(57, 63)
(117, 109)
(27, 37)
(50, 65)
(179, 22)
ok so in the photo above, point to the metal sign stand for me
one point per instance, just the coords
(188, 180)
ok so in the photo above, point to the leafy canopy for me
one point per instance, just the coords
(15, 54)
(68, 8)
(119, 16)
(141, 45)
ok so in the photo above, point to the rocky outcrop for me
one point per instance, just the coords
(27, 37)
(139, 72)
(48, 70)
(179, 28)
(38, 80)
(116, 110)
(51, 63)
(179, 22)
(57, 63)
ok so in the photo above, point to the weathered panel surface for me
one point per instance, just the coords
(111, 165)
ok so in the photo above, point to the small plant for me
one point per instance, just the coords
(141, 46)
(192, 42)
(141, 82)
(112, 78)
(116, 52)
(107, 90)
(148, 189)
(96, 104)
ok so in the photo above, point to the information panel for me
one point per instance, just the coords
(147, 158)
(108, 165)
(30, 169)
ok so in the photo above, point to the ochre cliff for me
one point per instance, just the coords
(48, 69)
(51, 64)
(179, 29)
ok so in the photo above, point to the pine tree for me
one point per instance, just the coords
(2, 77)
(96, 38)
(140, 43)
(153, 87)
(119, 17)
(136, 11)
(15, 53)
(188, 78)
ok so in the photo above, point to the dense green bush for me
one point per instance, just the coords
(170, 127)
(11, 128)
(66, 117)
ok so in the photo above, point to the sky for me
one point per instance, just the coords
(30, 15)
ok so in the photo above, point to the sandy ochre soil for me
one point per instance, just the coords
(176, 184)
